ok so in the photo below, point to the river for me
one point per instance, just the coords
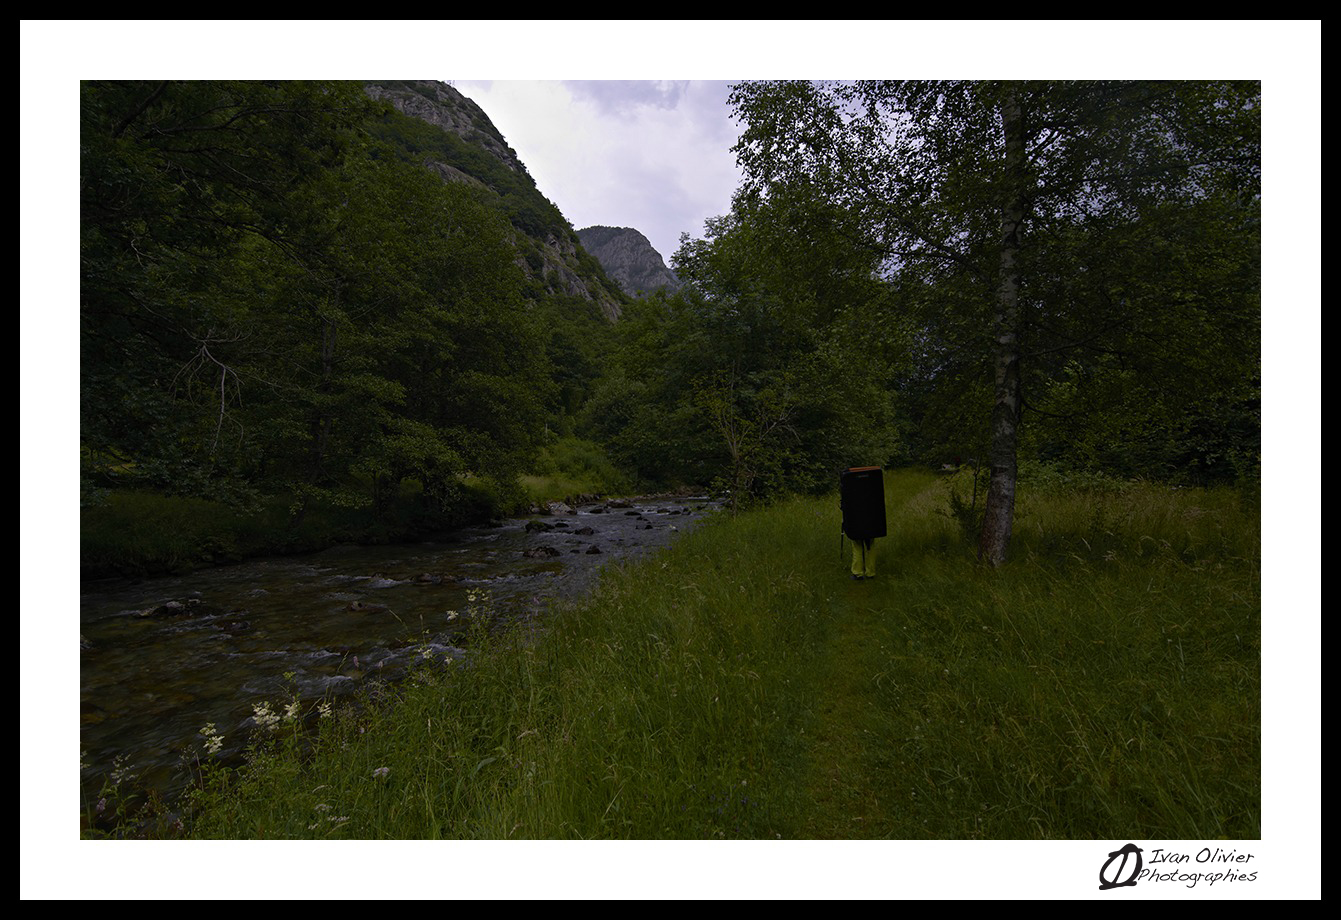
(162, 657)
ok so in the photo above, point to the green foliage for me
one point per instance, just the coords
(578, 340)
(274, 301)
(966, 493)
(1172, 391)
(773, 368)
(571, 466)
(147, 533)
(1136, 333)
(416, 141)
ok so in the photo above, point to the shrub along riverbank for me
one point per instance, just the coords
(1104, 684)
(131, 532)
(143, 533)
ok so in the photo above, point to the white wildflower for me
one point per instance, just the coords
(213, 740)
(324, 710)
(381, 772)
(265, 717)
(292, 711)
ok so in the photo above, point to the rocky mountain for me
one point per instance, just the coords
(628, 257)
(451, 135)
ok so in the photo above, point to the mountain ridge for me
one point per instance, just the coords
(629, 258)
(468, 148)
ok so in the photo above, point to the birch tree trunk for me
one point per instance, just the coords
(999, 515)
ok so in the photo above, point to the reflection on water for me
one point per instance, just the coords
(163, 657)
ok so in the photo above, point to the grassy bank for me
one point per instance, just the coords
(1104, 684)
(133, 532)
(143, 533)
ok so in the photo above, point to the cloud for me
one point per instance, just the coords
(623, 98)
(653, 155)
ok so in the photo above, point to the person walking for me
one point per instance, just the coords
(862, 501)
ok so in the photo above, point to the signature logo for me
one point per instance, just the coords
(1127, 868)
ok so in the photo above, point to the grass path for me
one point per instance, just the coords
(854, 794)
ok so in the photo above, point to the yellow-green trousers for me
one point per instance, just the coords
(863, 558)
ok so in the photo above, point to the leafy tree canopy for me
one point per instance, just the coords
(272, 298)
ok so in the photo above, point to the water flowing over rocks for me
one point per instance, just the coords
(162, 657)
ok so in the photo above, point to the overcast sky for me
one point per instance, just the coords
(654, 157)
(650, 154)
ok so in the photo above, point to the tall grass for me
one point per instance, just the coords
(1105, 683)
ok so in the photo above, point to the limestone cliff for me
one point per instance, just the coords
(628, 257)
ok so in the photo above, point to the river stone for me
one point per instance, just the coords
(559, 508)
(538, 527)
(192, 606)
(594, 550)
(541, 552)
(585, 531)
(170, 609)
(362, 607)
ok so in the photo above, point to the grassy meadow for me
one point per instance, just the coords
(1103, 684)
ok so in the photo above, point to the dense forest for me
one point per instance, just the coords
(282, 308)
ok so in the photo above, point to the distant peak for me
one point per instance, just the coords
(629, 258)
